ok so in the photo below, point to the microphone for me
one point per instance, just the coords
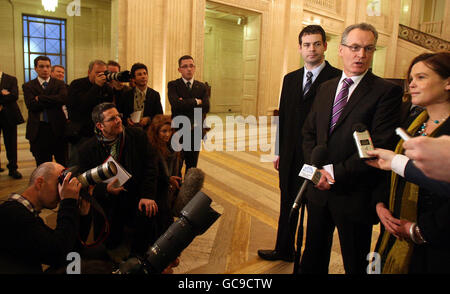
(363, 141)
(319, 157)
(193, 183)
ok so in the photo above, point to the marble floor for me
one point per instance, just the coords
(244, 188)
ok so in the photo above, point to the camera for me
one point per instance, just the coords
(123, 76)
(93, 176)
(195, 219)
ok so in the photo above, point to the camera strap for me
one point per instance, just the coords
(106, 228)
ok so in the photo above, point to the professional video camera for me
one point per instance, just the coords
(123, 76)
(195, 219)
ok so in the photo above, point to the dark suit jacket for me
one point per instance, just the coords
(10, 115)
(177, 89)
(51, 99)
(416, 176)
(375, 103)
(152, 104)
(294, 108)
(83, 96)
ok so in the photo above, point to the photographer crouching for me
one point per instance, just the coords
(27, 242)
(128, 208)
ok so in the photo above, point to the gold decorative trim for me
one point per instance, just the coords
(422, 39)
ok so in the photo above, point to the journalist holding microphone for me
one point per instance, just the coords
(27, 242)
(416, 218)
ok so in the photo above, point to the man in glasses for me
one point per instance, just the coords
(344, 196)
(132, 204)
(186, 95)
(27, 242)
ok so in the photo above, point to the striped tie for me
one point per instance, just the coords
(308, 84)
(340, 102)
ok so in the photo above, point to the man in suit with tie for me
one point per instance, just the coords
(10, 117)
(140, 98)
(297, 96)
(345, 198)
(44, 98)
(186, 95)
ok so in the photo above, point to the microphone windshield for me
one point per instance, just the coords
(193, 183)
(319, 156)
(359, 127)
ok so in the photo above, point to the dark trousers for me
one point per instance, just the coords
(191, 156)
(285, 236)
(47, 145)
(10, 140)
(354, 239)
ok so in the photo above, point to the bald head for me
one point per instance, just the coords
(45, 170)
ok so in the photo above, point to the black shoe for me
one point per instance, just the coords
(15, 174)
(2, 170)
(275, 255)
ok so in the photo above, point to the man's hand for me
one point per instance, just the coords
(199, 101)
(384, 158)
(174, 182)
(130, 122)
(36, 98)
(148, 206)
(431, 155)
(112, 188)
(5, 92)
(1, 107)
(324, 179)
(70, 188)
(100, 79)
(276, 163)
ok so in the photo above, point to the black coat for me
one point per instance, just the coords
(83, 96)
(294, 108)
(152, 104)
(10, 115)
(27, 242)
(51, 100)
(137, 158)
(374, 103)
(177, 89)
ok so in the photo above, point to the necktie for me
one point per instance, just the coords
(309, 76)
(340, 102)
(44, 113)
(188, 84)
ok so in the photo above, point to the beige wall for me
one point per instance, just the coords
(88, 36)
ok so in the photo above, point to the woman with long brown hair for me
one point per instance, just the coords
(417, 220)
(169, 165)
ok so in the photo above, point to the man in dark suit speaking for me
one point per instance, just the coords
(44, 97)
(297, 96)
(186, 95)
(344, 196)
(10, 117)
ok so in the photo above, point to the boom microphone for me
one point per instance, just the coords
(319, 157)
(193, 183)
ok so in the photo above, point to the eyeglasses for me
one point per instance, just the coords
(113, 118)
(356, 48)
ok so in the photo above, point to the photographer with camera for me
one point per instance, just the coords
(119, 88)
(84, 95)
(131, 205)
(27, 242)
